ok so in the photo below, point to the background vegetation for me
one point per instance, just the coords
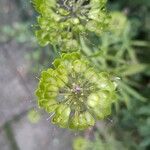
(124, 51)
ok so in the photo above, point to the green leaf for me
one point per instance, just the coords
(126, 98)
(145, 110)
(132, 92)
(134, 69)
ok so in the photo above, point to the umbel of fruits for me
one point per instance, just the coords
(75, 93)
(61, 22)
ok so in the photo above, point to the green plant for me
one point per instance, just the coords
(120, 48)
(109, 46)
(66, 90)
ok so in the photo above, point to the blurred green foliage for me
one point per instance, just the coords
(124, 51)
(33, 116)
(110, 143)
(18, 31)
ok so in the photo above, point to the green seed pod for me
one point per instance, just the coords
(61, 116)
(79, 66)
(81, 121)
(75, 92)
(93, 100)
(118, 23)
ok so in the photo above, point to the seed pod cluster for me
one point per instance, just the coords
(75, 93)
(62, 22)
